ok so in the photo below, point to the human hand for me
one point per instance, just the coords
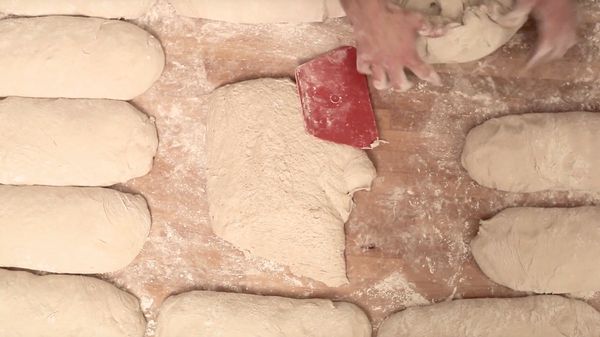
(386, 43)
(556, 21)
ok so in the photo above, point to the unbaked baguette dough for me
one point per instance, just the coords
(64, 142)
(536, 152)
(70, 229)
(534, 316)
(275, 191)
(473, 33)
(260, 11)
(66, 306)
(208, 314)
(128, 9)
(76, 57)
(544, 250)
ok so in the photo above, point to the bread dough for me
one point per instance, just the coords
(275, 191)
(534, 316)
(128, 9)
(207, 314)
(544, 250)
(66, 306)
(70, 229)
(76, 57)
(473, 33)
(260, 11)
(64, 142)
(536, 152)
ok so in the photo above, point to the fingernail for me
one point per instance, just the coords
(434, 78)
(380, 84)
(406, 85)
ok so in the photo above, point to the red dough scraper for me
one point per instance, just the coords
(335, 100)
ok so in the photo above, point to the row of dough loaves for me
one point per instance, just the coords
(62, 128)
(32, 305)
(540, 250)
(78, 306)
(64, 135)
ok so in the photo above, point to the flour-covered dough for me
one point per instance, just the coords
(544, 250)
(534, 316)
(260, 11)
(473, 32)
(128, 9)
(536, 152)
(275, 191)
(70, 229)
(66, 306)
(63, 142)
(77, 57)
(208, 314)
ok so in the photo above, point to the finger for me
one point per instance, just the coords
(363, 66)
(380, 78)
(557, 33)
(542, 54)
(424, 71)
(518, 15)
(399, 80)
(564, 43)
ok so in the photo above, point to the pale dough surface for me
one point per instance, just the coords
(473, 33)
(260, 11)
(66, 306)
(275, 191)
(64, 142)
(544, 250)
(209, 314)
(77, 57)
(128, 9)
(534, 316)
(70, 229)
(536, 152)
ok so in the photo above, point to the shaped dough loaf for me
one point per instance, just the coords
(66, 306)
(64, 142)
(534, 316)
(536, 152)
(275, 191)
(76, 57)
(128, 9)
(260, 11)
(70, 229)
(207, 314)
(544, 250)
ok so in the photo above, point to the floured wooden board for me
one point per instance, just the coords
(407, 241)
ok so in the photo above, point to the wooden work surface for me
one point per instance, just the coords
(407, 239)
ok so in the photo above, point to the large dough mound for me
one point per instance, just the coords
(76, 57)
(473, 34)
(275, 191)
(66, 306)
(128, 9)
(534, 316)
(260, 11)
(70, 229)
(545, 250)
(207, 314)
(65, 142)
(536, 152)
